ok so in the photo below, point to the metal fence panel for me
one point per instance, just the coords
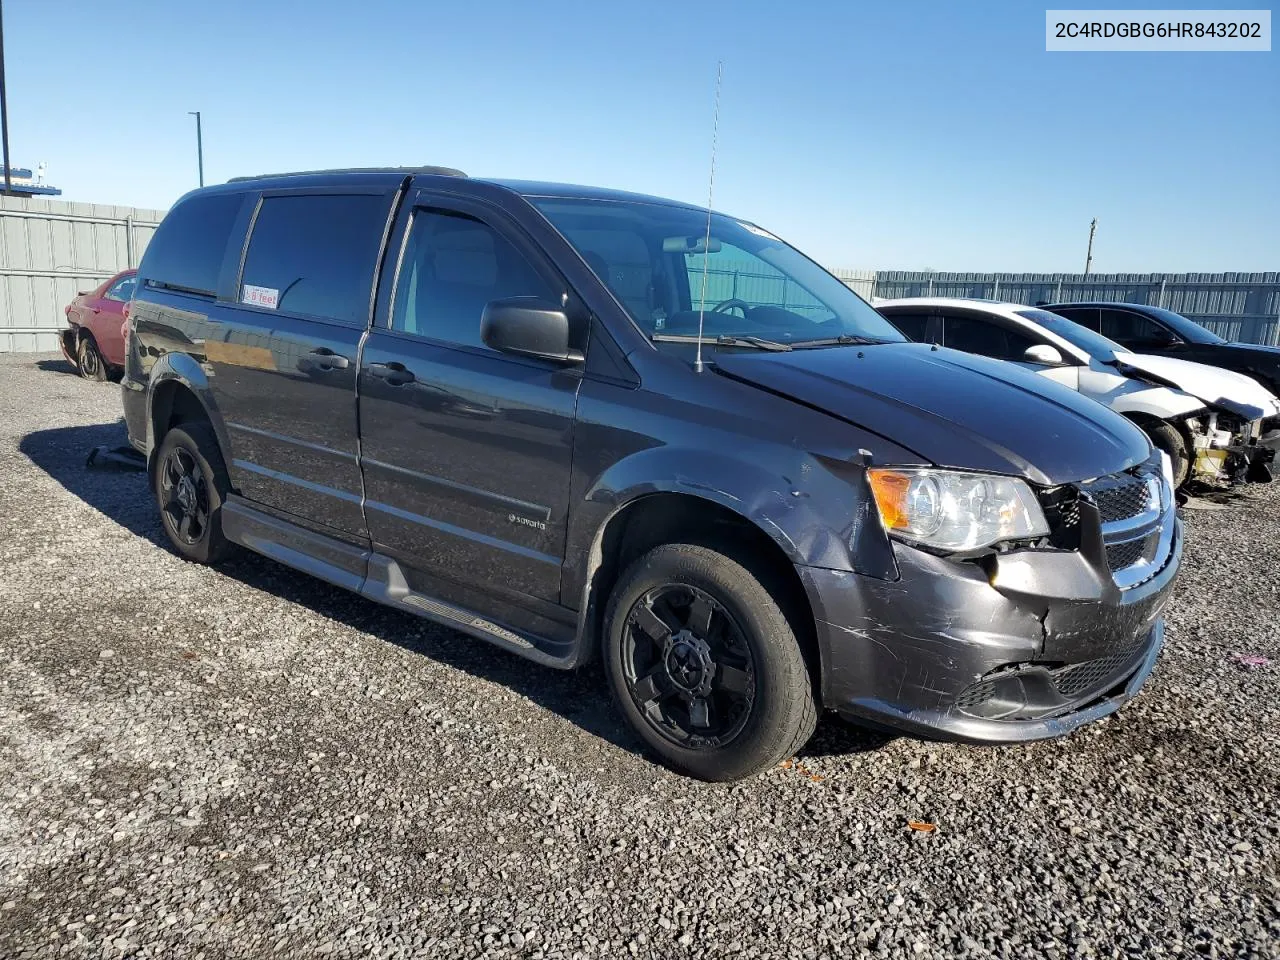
(49, 250)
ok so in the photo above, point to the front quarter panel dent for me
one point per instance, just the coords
(810, 512)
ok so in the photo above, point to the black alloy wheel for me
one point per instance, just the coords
(184, 496)
(688, 667)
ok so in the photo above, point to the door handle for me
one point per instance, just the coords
(394, 373)
(328, 360)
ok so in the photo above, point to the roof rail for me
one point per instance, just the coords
(436, 171)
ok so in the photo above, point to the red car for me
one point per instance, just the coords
(94, 341)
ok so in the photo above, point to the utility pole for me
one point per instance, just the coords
(1088, 260)
(4, 111)
(199, 144)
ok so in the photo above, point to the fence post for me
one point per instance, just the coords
(931, 286)
(128, 240)
(1057, 297)
(1160, 299)
(995, 289)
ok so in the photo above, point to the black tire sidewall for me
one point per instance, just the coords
(89, 348)
(1166, 438)
(773, 728)
(195, 438)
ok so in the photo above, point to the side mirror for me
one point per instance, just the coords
(530, 327)
(1043, 353)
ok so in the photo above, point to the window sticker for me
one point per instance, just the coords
(268, 297)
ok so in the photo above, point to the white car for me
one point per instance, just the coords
(1213, 423)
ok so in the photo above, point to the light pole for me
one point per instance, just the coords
(199, 144)
(1088, 258)
(4, 111)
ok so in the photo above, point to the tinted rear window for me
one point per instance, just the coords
(316, 254)
(188, 247)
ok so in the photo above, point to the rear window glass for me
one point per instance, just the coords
(316, 254)
(187, 250)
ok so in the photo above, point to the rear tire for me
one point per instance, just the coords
(1167, 438)
(89, 359)
(190, 485)
(704, 664)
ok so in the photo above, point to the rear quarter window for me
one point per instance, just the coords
(190, 244)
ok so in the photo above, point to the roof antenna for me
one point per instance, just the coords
(706, 252)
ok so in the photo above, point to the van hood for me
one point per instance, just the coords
(952, 409)
(1226, 389)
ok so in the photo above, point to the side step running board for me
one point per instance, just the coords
(378, 577)
(386, 584)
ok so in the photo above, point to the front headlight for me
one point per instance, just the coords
(950, 510)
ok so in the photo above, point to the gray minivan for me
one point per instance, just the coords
(578, 423)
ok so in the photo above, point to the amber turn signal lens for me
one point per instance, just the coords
(889, 487)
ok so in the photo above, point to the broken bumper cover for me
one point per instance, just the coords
(943, 653)
(67, 344)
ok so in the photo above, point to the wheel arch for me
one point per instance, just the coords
(179, 392)
(654, 517)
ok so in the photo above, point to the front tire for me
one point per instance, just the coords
(1167, 438)
(704, 664)
(191, 484)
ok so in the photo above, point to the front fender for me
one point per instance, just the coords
(819, 512)
(1163, 403)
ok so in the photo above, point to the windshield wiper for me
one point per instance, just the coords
(842, 340)
(724, 340)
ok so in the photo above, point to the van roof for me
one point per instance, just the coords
(403, 171)
(525, 188)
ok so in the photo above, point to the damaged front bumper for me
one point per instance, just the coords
(1230, 449)
(1032, 644)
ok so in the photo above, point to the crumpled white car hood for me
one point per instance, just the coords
(1224, 388)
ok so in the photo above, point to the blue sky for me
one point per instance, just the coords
(897, 135)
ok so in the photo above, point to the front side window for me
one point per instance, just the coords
(1082, 338)
(1188, 330)
(914, 325)
(453, 266)
(988, 338)
(122, 289)
(656, 260)
(315, 255)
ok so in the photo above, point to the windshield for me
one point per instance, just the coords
(1094, 344)
(1188, 330)
(656, 260)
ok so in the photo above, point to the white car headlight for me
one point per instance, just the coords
(951, 510)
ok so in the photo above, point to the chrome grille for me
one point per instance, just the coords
(1120, 497)
(1130, 506)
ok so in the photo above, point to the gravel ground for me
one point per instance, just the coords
(246, 762)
